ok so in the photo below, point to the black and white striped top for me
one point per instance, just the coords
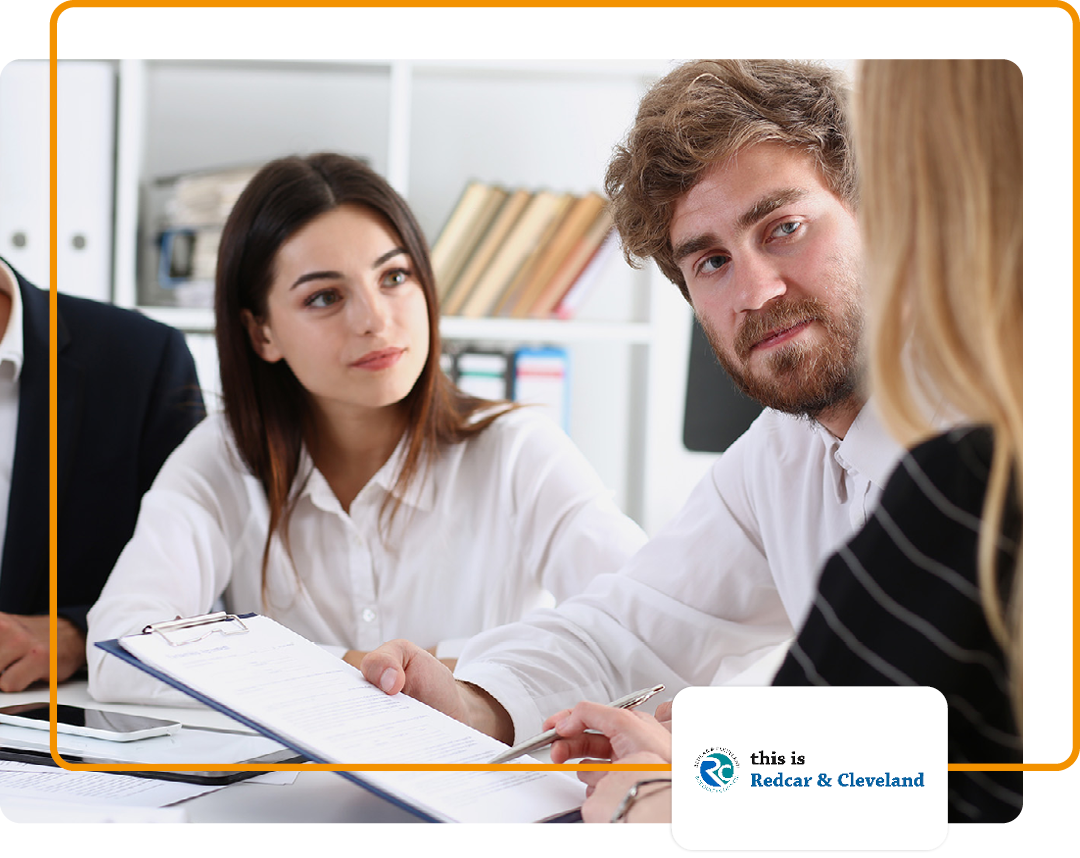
(900, 605)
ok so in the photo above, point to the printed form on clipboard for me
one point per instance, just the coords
(293, 691)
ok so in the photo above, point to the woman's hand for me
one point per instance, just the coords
(618, 733)
(651, 804)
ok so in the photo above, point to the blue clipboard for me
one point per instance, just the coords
(113, 647)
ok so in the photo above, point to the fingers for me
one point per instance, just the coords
(584, 745)
(663, 713)
(555, 719)
(385, 667)
(627, 732)
(27, 670)
(24, 657)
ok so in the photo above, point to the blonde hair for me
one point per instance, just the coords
(939, 146)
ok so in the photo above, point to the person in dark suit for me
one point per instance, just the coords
(128, 393)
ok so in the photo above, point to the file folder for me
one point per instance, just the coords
(287, 688)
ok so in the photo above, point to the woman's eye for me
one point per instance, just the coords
(322, 299)
(395, 277)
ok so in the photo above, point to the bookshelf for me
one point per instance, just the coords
(430, 127)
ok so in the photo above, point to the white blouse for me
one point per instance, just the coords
(499, 524)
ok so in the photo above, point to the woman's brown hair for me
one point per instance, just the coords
(265, 405)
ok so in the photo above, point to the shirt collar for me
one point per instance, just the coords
(867, 449)
(11, 344)
(870, 448)
(420, 493)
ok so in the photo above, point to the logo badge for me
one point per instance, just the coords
(717, 769)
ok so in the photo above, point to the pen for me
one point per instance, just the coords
(542, 740)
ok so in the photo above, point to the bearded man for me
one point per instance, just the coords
(737, 178)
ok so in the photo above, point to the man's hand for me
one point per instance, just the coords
(356, 657)
(403, 666)
(24, 650)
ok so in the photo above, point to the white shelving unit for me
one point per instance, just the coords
(429, 127)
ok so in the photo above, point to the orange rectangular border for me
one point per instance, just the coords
(1064, 764)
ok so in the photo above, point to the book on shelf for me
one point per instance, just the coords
(207, 197)
(486, 373)
(570, 302)
(468, 221)
(532, 375)
(572, 266)
(187, 213)
(541, 378)
(581, 215)
(524, 237)
(458, 291)
(535, 259)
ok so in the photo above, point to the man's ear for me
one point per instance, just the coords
(260, 337)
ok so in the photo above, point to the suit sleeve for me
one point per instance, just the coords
(173, 405)
(174, 408)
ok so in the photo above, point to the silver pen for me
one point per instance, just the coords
(548, 737)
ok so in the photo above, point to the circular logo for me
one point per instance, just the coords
(717, 769)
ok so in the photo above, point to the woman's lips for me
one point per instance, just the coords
(381, 359)
(782, 336)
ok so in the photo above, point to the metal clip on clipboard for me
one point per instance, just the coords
(172, 627)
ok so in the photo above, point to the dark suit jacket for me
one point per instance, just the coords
(127, 395)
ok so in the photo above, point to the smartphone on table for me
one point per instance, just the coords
(96, 723)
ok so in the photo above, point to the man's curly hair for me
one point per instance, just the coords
(702, 113)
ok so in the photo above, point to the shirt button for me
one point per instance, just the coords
(368, 615)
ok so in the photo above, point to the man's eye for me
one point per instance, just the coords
(787, 228)
(712, 264)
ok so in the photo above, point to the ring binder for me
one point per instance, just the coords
(170, 626)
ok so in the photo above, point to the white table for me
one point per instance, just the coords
(317, 796)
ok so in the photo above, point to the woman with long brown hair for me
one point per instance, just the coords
(349, 490)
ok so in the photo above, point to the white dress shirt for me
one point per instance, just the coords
(728, 579)
(11, 361)
(502, 522)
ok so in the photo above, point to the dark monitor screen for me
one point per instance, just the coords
(716, 412)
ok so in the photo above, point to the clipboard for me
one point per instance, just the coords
(193, 630)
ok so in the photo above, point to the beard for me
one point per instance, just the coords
(807, 379)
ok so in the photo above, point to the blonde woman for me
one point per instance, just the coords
(929, 592)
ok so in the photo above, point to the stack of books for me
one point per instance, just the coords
(537, 376)
(516, 253)
(193, 214)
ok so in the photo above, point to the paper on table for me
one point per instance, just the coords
(324, 706)
(26, 781)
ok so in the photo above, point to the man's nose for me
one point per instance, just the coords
(759, 280)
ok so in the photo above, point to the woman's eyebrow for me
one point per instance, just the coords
(337, 275)
(390, 254)
(316, 275)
